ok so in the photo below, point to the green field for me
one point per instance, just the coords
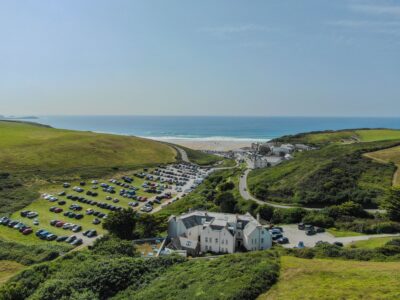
(334, 173)
(372, 243)
(8, 269)
(335, 279)
(340, 233)
(27, 147)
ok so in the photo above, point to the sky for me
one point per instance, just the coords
(205, 57)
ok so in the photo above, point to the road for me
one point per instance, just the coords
(295, 236)
(183, 154)
(247, 196)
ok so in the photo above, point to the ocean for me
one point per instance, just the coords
(212, 128)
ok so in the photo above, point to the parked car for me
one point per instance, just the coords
(77, 242)
(283, 240)
(319, 229)
(300, 226)
(340, 244)
(27, 231)
(70, 239)
(310, 232)
(61, 238)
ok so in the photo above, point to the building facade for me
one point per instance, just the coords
(203, 232)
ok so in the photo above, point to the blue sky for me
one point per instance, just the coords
(208, 57)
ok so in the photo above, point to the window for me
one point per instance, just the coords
(216, 240)
(262, 240)
(222, 241)
(206, 240)
(226, 242)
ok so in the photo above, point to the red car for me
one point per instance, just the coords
(27, 231)
(60, 224)
(58, 210)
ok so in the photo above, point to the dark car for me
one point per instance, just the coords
(276, 236)
(283, 240)
(62, 202)
(308, 227)
(24, 213)
(61, 193)
(300, 226)
(27, 231)
(96, 221)
(339, 244)
(76, 228)
(310, 232)
(61, 238)
(70, 239)
(319, 229)
(51, 237)
(77, 242)
(79, 216)
(82, 183)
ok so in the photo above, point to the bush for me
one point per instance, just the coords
(288, 216)
(318, 219)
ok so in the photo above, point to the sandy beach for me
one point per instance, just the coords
(214, 145)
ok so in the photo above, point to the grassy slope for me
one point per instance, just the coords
(33, 155)
(386, 156)
(201, 158)
(371, 243)
(290, 177)
(28, 147)
(335, 279)
(236, 276)
(8, 269)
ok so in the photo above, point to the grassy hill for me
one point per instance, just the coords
(335, 279)
(33, 155)
(28, 147)
(337, 172)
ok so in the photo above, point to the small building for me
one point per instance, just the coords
(201, 232)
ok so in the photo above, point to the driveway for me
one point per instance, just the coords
(295, 236)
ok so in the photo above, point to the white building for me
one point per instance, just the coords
(201, 231)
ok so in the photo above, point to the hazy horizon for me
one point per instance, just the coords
(205, 58)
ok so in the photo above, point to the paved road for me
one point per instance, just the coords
(295, 236)
(247, 196)
(183, 154)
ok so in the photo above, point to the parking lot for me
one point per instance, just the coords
(295, 236)
(78, 208)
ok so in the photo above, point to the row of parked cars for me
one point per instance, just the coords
(65, 225)
(20, 226)
(310, 229)
(277, 235)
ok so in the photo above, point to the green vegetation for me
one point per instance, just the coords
(334, 174)
(201, 158)
(8, 269)
(341, 233)
(371, 243)
(27, 147)
(82, 275)
(333, 279)
(236, 276)
(35, 155)
(30, 254)
(390, 155)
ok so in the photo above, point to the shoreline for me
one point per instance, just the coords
(210, 144)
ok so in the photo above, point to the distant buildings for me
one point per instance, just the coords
(268, 154)
(201, 232)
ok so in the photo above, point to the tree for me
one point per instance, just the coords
(266, 212)
(149, 226)
(392, 204)
(226, 186)
(121, 223)
(226, 202)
